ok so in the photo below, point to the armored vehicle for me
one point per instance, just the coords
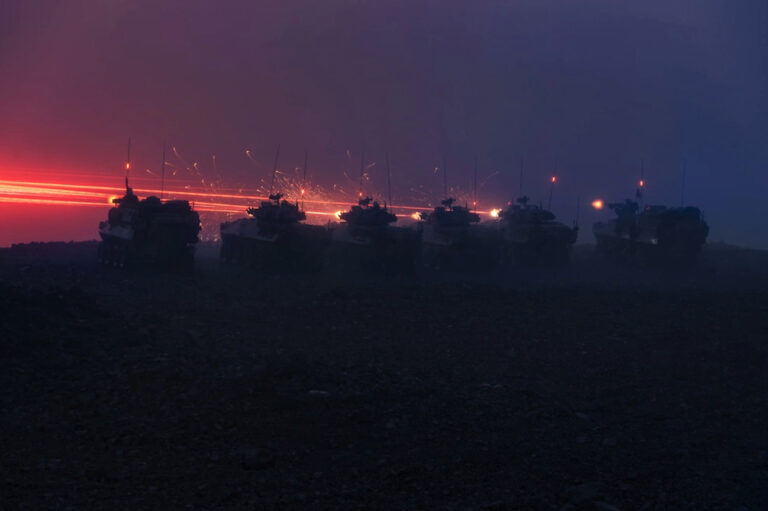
(149, 232)
(532, 236)
(654, 235)
(453, 239)
(365, 241)
(273, 238)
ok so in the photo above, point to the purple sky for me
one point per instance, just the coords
(595, 86)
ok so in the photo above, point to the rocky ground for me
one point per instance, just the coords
(597, 388)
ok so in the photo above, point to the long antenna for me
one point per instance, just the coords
(274, 171)
(682, 184)
(389, 179)
(552, 186)
(474, 186)
(521, 176)
(304, 179)
(162, 175)
(445, 177)
(128, 163)
(641, 184)
(362, 172)
(551, 191)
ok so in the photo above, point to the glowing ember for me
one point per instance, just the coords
(495, 213)
(597, 204)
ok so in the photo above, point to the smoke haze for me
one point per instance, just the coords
(589, 88)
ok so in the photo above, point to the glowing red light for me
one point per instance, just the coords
(641, 183)
(554, 179)
(597, 204)
(56, 193)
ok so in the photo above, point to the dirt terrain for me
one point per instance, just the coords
(595, 388)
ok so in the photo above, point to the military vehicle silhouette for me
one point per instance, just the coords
(453, 240)
(149, 232)
(366, 241)
(653, 235)
(273, 238)
(532, 236)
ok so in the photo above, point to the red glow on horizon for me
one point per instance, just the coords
(68, 194)
(47, 206)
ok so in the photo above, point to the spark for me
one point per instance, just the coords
(483, 183)
(225, 201)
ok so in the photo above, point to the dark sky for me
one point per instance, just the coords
(595, 86)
